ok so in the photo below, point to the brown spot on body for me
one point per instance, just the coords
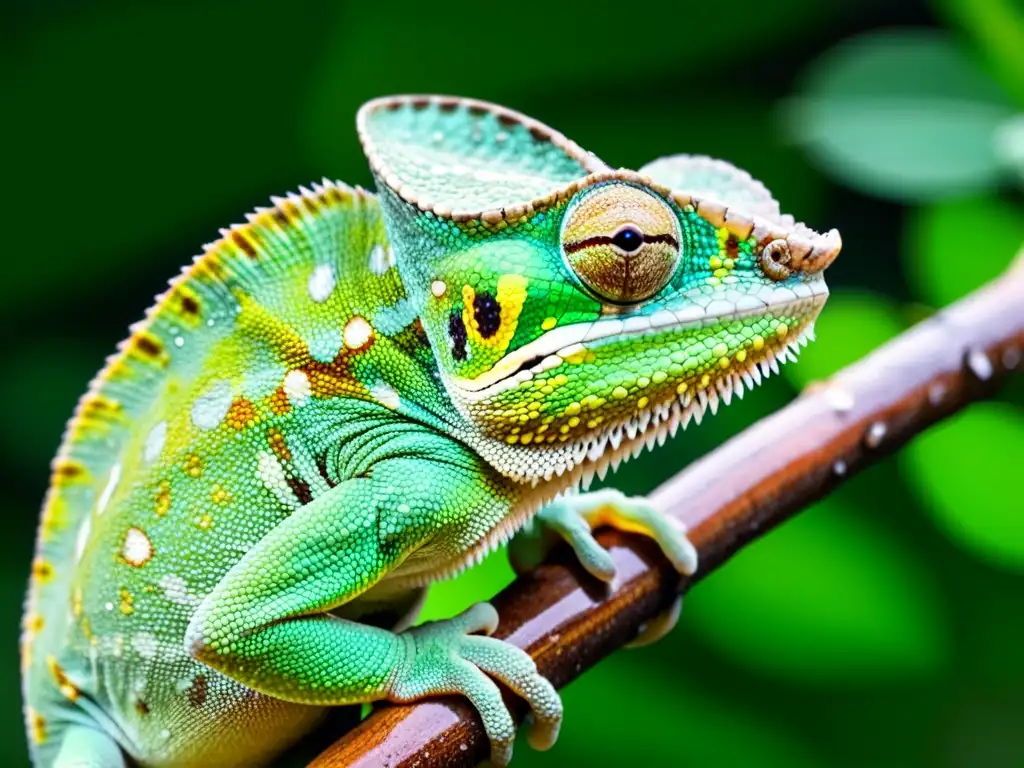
(198, 691)
(241, 414)
(240, 240)
(68, 689)
(279, 445)
(278, 402)
(141, 707)
(148, 345)
(300, 488)
(189, 305)
(36, 725)
(42, 571)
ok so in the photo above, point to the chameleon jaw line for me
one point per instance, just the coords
(552, 348)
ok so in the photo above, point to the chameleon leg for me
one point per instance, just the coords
(85, 747)
(264, 623)
(574, 517)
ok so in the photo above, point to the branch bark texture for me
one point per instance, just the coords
(568, 621)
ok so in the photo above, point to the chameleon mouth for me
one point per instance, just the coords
(551, 350)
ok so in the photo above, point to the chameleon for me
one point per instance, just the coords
(353, 395)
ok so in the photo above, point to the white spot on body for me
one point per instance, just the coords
(137, 549)
(380, 259)
(176, 590)
(358, 332)
(271, 473)
(108, 490)
(179, 341)
(321, 283)
(145, 644)
(296, 387)
(438, 288)
(83, 536)
(155, 442)
(386, 396)
(210, 408)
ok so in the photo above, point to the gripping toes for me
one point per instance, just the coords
(444, 657)
(574, 517)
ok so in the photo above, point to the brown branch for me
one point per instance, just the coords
(568, 621)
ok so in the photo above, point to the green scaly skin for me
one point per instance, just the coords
(352, 396)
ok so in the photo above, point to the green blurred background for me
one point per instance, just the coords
(883, 627)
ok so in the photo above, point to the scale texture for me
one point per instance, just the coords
(353, 395)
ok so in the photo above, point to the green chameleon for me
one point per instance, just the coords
(352, 396)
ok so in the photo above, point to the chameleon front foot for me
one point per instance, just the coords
(445, 657)
(573, 518)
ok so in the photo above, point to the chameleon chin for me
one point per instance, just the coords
(353, 395)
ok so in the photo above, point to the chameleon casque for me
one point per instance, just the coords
(351, 396)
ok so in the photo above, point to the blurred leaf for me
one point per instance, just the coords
(481, 582)
(827, 598)
(1010, 144)
(572, 61)
(850, 326)
(965, 473)
(998, 28)
(957, 246)
(901, 114)
(620, 714)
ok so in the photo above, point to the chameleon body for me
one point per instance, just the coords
(351, 396)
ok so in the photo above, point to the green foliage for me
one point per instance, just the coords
(826, 598)
(959, 470)
(904, 114)
(955, 247)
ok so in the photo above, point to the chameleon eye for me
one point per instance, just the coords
(621, 241)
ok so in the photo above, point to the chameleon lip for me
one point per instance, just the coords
(552, 348)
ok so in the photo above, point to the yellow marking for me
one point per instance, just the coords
(619, 393)
(65, 686)
(67, 472)
(642, 402)
(705, 380)
(510, 295)
(681, 388)
(127, 604)
(205, 522)
(548, 323)
(724, 362)
(163, 498)
(741, 355)
(193, 465)
(758, 343)
(42, 571)
(220, 495)
(782, 330)
(36, 725)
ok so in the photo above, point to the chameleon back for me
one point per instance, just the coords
(186, 435)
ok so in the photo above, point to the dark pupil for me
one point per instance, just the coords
(628, 240)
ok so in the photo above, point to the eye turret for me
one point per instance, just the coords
(621, 241)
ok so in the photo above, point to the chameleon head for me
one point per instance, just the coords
(579, 314)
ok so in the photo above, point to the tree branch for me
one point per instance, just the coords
(568, 621)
